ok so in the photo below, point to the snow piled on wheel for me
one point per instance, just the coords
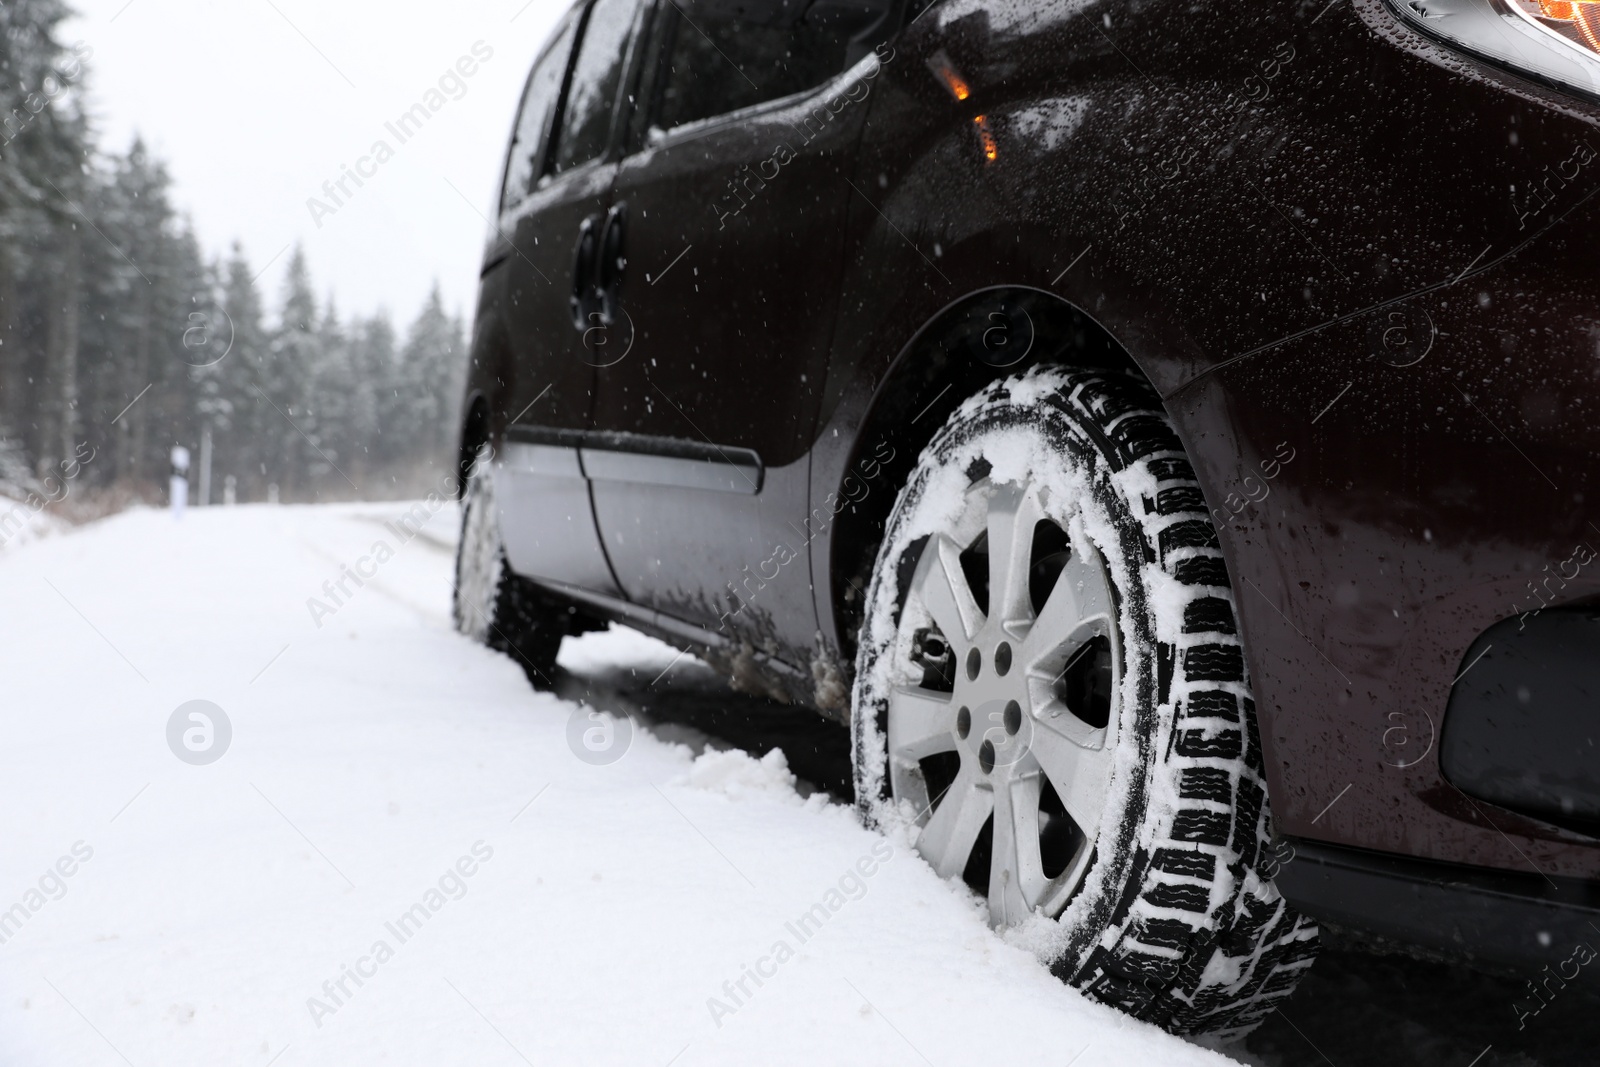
(1015, 454)
(374, 760)
(1173, 923)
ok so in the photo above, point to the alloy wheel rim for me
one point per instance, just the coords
(1002, 714)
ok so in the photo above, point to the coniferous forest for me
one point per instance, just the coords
(120, 339)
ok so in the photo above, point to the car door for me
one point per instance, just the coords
(729, 215)
(557, 185)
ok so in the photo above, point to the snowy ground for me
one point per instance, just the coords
(24, 519)
(563, 911)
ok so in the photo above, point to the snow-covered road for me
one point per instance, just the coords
(401, 858)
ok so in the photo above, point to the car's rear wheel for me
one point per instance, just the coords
(1051, 688)
(493, 605)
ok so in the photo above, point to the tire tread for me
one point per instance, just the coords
(1162, 968)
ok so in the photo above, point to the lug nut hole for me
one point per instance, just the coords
(1002, 658)
(1013, 717)
(974, 663)
(986, 757)
(964, 723)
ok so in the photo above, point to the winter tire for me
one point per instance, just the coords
(492, 604)
(1050, 687)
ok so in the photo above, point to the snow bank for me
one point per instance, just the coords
(400, 860)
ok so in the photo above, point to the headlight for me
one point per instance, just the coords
(1555, 41)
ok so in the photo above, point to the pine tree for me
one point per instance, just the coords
(15, 479)
(373, 358)
(292, 358)
(333, 395)
(43, 181)
(242, 383)
(143, 284)
(428, 373)
(208, 341)
(115, 333)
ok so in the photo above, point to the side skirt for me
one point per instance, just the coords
(1494, 920)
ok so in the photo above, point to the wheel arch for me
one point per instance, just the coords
(476, 430)
(945, 360)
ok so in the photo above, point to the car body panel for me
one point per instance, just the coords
(1419, 256)
(552, 534)
(729, 318)
(1311, 228)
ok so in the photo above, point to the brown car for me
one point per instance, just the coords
(1123, 415)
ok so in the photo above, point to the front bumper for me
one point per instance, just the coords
(1494, 920)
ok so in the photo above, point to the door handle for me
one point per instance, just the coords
(583, 299)
(597, 264)
(613, 258)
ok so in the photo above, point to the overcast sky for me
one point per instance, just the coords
(254, 104)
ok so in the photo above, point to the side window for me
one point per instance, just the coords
(596, 77)
(643, 93)
(525, 158)
(723, 55)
